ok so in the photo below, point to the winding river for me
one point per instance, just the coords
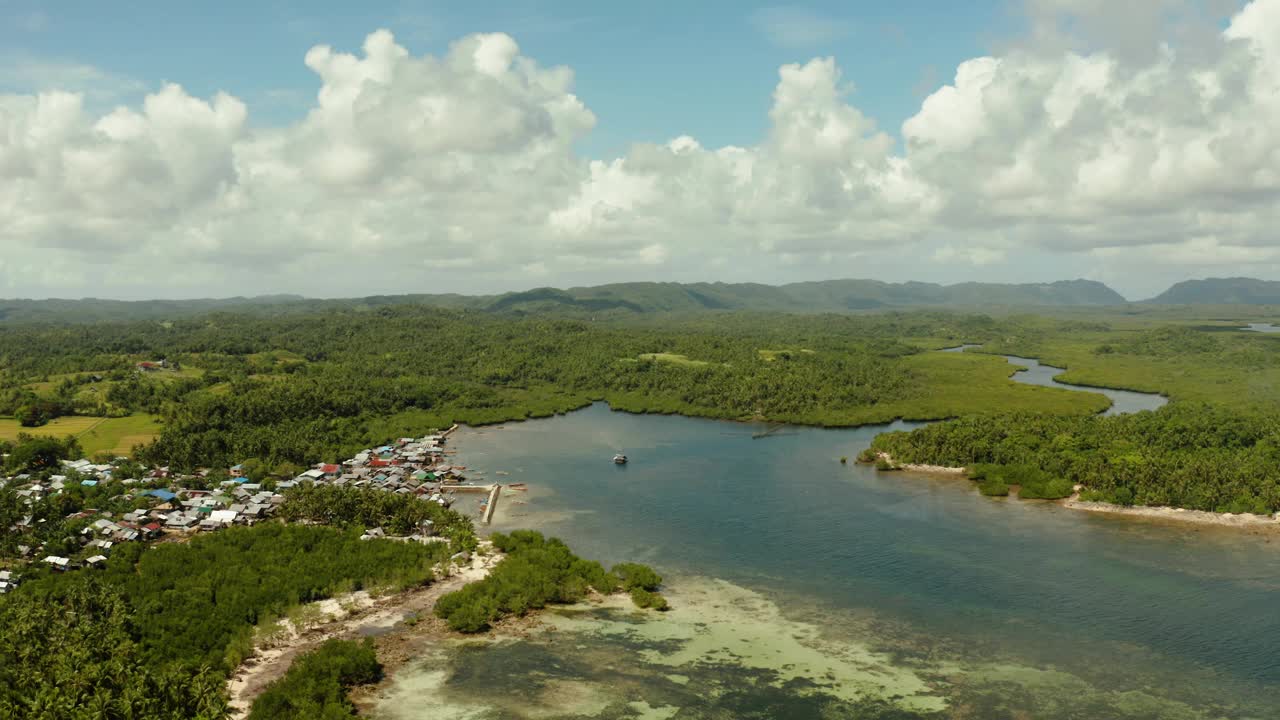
(1036, 373)
(806, 588)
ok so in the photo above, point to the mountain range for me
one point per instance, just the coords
(650, 297)
(1221, 291)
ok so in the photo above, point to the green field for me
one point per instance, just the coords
(46, 388)
(771, 355)
(116, 436)
(1190, 361)
(673, 358)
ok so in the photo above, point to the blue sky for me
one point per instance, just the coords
(999, 140)
(650, 71)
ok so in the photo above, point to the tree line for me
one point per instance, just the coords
(1184, 455)
(538, 571)
(156, 632)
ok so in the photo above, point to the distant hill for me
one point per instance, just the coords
(1221, 291)
(640, 297)
(821, 296)
(97, 310)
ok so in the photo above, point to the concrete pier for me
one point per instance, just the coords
(487, 518)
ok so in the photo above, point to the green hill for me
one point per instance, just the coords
(820, 296)
(1221, 291)
(638, 297)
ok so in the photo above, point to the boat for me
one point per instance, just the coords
(619, 459)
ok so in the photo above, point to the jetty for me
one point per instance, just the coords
(487, 516)
(490, 503)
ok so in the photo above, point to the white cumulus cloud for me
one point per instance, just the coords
(458, 172)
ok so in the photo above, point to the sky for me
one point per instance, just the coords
(168, 150)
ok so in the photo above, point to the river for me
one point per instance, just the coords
(804, 588)
(1036, 373)
(1262, 328)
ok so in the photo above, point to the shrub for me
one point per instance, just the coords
(994, 487)
(635, 575)
(1047, 488)
(649, 600)
(536, 571)
(316, 685)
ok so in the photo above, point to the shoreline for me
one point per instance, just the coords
(1243, 521)
(368, 616)
(917, 467)
(399, 649)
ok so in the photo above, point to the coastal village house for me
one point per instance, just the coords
(409, 466)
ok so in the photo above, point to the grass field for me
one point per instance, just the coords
(955, 384)
(112, 435)
(1236, 369)
(46, 388)
(771, 355)
(673, 358)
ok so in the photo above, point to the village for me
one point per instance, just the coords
(171, 507)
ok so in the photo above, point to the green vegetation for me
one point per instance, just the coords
(1221, 291)
(642, 583)
(1188, 361)
(363, 508)
(342, 380)
(1032, 482)
(315, 688)
(649, 600)
(536, 572)
(73, 652)
(672, 358)
(155, 633)
(196, 603)
(292, 383)
(1189, 456)
(640, 297)
(771, 355)
(993, 487)
(108, 436)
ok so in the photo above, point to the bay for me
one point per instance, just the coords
(804, 587)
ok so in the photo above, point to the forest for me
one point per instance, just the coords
(305, 388)
(360, 509)
(288, 389)
(1186, 455)
(155, 633)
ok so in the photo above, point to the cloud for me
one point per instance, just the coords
(798, 28)
(1075, 151)
(457, 172)
(24, 73)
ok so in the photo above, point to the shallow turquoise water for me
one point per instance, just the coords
(1002, 608)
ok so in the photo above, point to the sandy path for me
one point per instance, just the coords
(353, 615)
(913, 467)
(1240, 520)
